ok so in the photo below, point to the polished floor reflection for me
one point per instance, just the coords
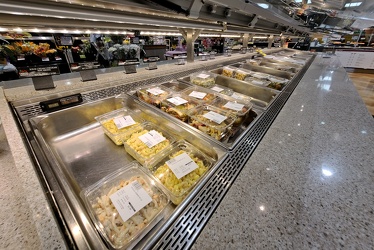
(364, 84)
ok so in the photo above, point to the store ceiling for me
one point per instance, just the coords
(234, 16)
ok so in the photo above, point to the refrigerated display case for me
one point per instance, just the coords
(73, 151)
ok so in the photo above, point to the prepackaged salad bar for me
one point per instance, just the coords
(129, 165)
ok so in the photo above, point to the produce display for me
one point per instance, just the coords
(117, 135)
(118, 232)
(179, 188)
(153, 94)
(118, 124)
(203, 79)
(241, 74)
(228, 71)
(140, 150)
(217, 127)
(178, 105)
(239, 109)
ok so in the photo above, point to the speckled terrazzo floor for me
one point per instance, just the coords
(309, 184)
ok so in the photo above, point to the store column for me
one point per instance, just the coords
(245, 40)
(270, 41)
(190, 35)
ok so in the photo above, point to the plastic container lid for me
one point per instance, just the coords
(153, 94)
(178, 188)
(177, 105)
(238, 108)
(241, 74)
(203, 78)
(213, 121)
(202, 95)
(147, 142)
(120, 227)
(245, 98)
(176, 86)
(221, 89)
(118, 124)
(228, 71)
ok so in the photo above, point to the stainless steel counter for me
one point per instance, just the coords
(286, 159)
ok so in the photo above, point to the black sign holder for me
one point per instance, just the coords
(43, 82)
(88, 75)
(152, 66)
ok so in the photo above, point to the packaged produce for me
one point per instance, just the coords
(177, 188)
(241, 74)
(178, 105)
(228, 71)
(213, 121)
(277, 83)
(153, 94)
(202, 95)
(221, 89)
(120, 226)
(118, 124)
(237, 108)
(147, 142)
(240, 97)
(203, 78)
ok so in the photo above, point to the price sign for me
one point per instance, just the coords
(130, 199)
(218, 89)
(202, 75)
(213, 116)
(234, 106)
(182, 165)
(130, 69)
(88, 75)
(155, 91)
(197, 94)
(124, 121)
(43, 82)
(152, 65)
(177, 100)
(152, 138)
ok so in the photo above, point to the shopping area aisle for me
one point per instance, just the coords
(364, 84)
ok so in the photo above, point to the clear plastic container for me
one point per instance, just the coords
(228, 71)
(203, 78)
(218, 127)
(176, 86)
(144, 154)
(241, 74)
(173, 105)
(153, 94)
(237, 108)
(178, 189)
(277, 83)
(122, 233)
(116, 124)
(257, 81)
(245, 98)
(221, 89)
(202, 95)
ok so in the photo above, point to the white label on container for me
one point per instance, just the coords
(203, 76)
(177, 100)
(234, 106)
(257, 82)
(155, 91)
(181, 165)
(130, 199)
(213, 116)
(278, 80)
(152, 138)
(260, 76)
(196, 94)
(124, 121)
(218, 89)
(236, 96)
